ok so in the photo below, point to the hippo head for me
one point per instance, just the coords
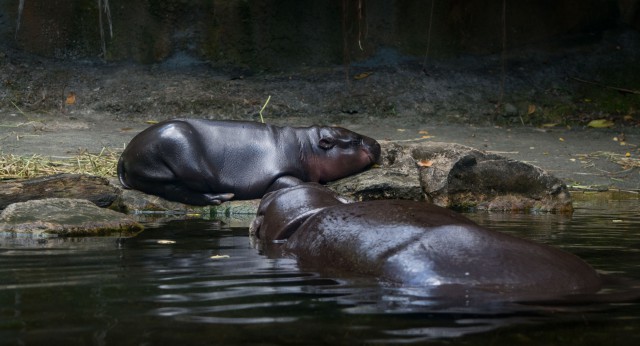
(338, 153)
(281, 212)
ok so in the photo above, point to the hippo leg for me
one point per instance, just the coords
(179, 192)
(185, 195)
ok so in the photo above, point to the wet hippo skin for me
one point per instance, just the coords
(412, 243)
(202, 162)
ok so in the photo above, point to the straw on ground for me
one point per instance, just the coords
(24, 167)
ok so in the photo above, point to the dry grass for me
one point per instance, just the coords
(622, 160)
(24, 167)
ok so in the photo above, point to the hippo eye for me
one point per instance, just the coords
(327, 143)
(356, 142)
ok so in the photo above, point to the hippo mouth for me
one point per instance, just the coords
(371, 159)
(373, 154)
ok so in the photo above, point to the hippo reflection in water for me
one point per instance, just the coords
(412, 243)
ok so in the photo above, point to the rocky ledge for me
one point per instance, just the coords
(446, 174)
(456, 176)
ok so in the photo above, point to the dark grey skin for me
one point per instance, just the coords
(280, 215)
(412, 243)
(205, 162)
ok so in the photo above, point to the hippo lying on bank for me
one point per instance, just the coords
(202, 162)
(412, 243)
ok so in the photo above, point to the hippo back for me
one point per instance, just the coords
(421, 244)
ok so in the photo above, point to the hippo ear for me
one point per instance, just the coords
(326, 143)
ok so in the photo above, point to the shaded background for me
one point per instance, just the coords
(402, 63)
(279, 34)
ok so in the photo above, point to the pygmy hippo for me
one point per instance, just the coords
(411, 243)
(202, 162)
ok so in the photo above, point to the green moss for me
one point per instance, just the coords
(559, 114)
(603, 99)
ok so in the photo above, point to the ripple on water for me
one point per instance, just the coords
(145, 291)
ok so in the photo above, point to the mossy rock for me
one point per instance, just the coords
(65, 217)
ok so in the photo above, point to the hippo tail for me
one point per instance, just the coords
(122, 173)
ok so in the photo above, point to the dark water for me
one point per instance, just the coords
(144, 292)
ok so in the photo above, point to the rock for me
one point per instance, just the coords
(453, 175)
(65, 217)
(133, 201)
(380, 183)
(92, 188)
(236, 208)
(95, 244)
(395, 178)
(446, 174)
(510, 110)
(460, 176)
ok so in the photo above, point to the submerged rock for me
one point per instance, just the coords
(65, 217)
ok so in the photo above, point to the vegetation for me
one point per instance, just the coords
(24, 167)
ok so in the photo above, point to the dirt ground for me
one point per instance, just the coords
(531, 105)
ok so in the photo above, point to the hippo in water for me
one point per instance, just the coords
(411, 243)
(203, 162)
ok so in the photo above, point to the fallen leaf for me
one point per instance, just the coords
(531, 109)
(548, 125)
(163, 241)
(423, 132)
(628, 117)
(219, 256)
(627, 154)
(620, 141)
(561, 139)
(151, 122)
(600, 123)
(425, 163)
(578, 186)
(426, 137)
(71, 98)
(362, 75)
(401, 130)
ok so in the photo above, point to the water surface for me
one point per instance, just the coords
(199, 282)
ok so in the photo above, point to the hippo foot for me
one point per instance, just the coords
(217, 199)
